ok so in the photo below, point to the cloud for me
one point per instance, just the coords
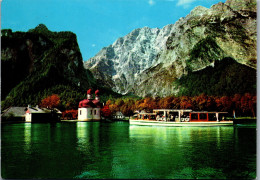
(151, 2)
(185, 3)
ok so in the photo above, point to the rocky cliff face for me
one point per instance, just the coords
(148, 61)
(36, 61)
(119, 64)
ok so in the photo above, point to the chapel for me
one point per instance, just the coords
(90, 109)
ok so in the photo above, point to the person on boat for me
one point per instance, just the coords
(171, 118)
(164, 118)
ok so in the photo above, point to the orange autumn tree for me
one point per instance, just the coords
(52, 101)
(186, 103)
(147, 104)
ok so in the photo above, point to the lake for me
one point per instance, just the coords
(115, 150)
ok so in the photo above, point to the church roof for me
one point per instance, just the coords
(86, 103)
(97, 103)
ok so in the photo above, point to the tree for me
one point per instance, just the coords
(236, 103)
(186, 103)
(211, 105)
(52, 101)
(176, 103)
(70, 114)
(119, 102)
(248, 104)
(105, 112)
(108, 102)
(224, 103)
(147, 104)
(166, 102)
(113, 108)
(201, 101)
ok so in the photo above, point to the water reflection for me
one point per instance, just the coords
(27, 137)
(181, 151)
(116, 150)
(87, 136)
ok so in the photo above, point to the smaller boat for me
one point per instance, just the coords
(181, 117)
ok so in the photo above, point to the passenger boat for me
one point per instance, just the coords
(181, 117)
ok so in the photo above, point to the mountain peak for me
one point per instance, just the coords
(148, 60)
(199, 10)
(41, 28)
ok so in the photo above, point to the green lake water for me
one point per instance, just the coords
(96, 150)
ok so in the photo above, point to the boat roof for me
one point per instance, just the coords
(208, 112)
(147, 113)
(173, 110)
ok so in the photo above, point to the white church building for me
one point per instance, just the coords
(90, 109)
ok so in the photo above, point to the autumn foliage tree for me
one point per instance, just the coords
(105, 112)
(243, 104)
(52, 101)
(248, 104)
(186, 102)
(70, 114)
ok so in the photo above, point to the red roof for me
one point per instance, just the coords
(97, 92)
(89, 91)
(89, 102)
(86, 103)
(97, 103)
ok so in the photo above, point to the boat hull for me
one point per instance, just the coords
(163, 123)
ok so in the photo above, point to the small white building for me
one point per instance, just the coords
(90, 109)
(118, 115)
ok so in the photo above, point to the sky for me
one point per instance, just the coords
(97, 23)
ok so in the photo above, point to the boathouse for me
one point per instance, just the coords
(14, 114)
(36, 114)
(90, 109)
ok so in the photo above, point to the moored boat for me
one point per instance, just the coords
(181, 117)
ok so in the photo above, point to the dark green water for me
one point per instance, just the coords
(119, 150)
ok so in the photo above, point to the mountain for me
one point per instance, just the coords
(148, 61)
(39, 63)
(120, 64)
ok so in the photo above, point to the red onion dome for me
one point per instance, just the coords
(97, 103)
(86, 103)
(97, 92)
(80, 104)
(89, 91)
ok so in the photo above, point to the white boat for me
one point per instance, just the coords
(163, 123)
(180, 117)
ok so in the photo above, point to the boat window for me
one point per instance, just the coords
(152, 117)
(203, 116)
(212, 117)
(194, 116)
